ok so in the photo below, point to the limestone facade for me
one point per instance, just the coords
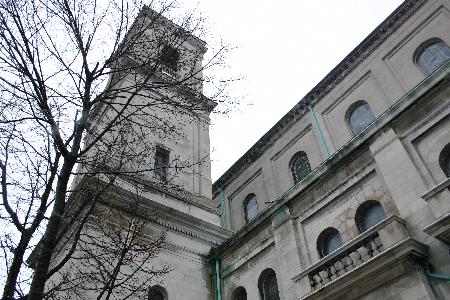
(396, 163)
(310, 238)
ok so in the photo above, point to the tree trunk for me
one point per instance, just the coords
(13, 273)
(48, 241)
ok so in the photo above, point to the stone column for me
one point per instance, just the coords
(400, 175)
(287, 250)
(204, 158)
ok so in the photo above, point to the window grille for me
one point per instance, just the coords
(431, 55)
(359, 116)
(300, 167)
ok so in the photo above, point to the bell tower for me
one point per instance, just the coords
(162, 135)
(150, 161)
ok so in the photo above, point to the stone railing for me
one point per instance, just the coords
(347, 260)
(352, 254)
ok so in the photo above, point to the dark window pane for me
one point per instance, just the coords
(300, 166)
(329, 241)
(444, 160)
(334, 242)
(155, 295)
(161, 163)
(447, 166)
(169, 57)
(240, 294)
(373, 215)
(432, 57)
(270, 287)
(250, 207)
(359, 117)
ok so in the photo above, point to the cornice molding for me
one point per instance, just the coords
(164, 216)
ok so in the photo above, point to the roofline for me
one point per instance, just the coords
(400, 15)
(191, 38)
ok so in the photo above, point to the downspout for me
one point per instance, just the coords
(433, 275)
(222, 207)
(218, 286)
(319, 132)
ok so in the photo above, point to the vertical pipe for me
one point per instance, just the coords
(218, 286)
(319, 132)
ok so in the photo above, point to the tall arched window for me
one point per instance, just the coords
(250, 207)
(299, 166)
(359, 116)
(430, 55)
(267, 285)
(369, 214)
(444, 160)
(157, 292)
(239, 294)
(329, 240)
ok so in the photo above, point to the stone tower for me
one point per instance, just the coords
(151, 169)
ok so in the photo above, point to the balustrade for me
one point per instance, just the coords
(353, 254)
(347, 260)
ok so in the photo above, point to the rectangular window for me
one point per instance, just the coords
(161, 164)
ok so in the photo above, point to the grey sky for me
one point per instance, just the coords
(284, 48)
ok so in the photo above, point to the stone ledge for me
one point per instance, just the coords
(436, 189)
(440, 228)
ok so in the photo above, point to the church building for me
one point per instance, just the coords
(347, 196)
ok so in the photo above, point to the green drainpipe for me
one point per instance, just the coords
(218, 286)
(319, 132)
(222, 207)
(433, 275)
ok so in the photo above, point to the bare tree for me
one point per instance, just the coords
(112, 257)
(83, 85)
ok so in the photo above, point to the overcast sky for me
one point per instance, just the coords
(284, 48)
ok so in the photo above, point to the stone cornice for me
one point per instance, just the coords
(349, 63)
(164, 216)
(175, 192)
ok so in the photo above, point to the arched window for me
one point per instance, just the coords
(444, 160)
(299, 166)
(329, 240)
(359, 116)
(430, 55)
(250, 207)
(369, 214)
(157, 292)
(267, 285)
(239, 294)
